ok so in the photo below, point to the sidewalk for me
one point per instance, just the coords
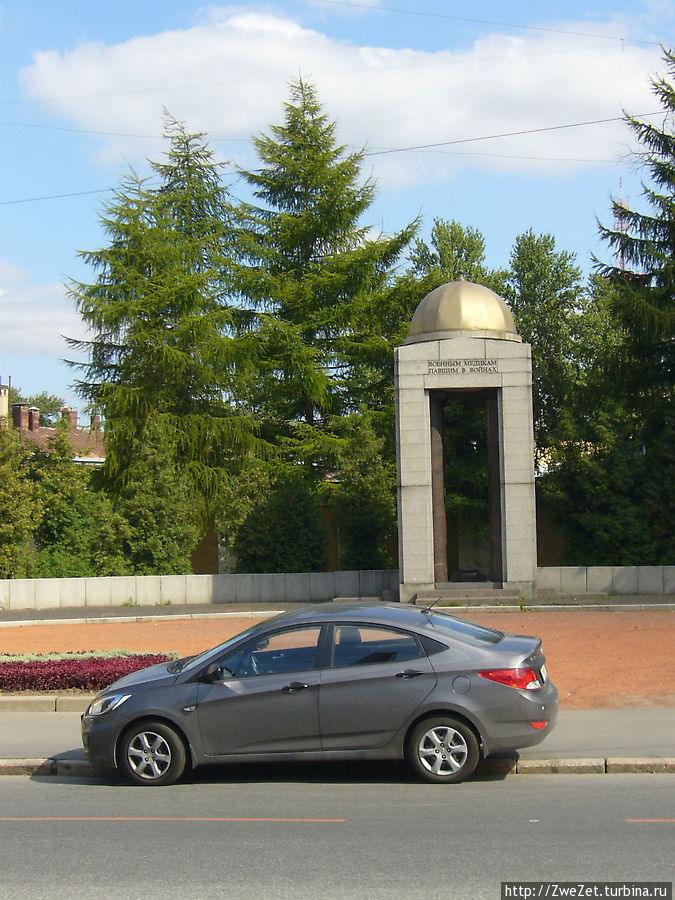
(587, 741)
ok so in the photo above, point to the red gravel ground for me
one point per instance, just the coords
(596, 658)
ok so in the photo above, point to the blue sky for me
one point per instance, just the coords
(83, 87)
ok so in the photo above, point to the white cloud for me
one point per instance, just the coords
(34, 316)
(229, 77)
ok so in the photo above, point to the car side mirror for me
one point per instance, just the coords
(215, 672)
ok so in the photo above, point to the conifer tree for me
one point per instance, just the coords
(643, 273)
(641, 293)
(546, 297)
(454, 251)
(310, 270)
(615, 452)
(163, 343)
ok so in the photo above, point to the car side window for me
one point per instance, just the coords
(358, 645)
(291, 650)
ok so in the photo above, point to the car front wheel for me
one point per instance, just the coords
(442, 749)
(152, 753)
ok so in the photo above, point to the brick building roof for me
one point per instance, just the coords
(88, 444)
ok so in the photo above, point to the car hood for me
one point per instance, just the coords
(143, 677)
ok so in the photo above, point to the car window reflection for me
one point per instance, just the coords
(358, 645)
(292, 650)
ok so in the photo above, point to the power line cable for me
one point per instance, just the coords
(432, 15)
(55, 196)
(382, 152)
(503, 134)
(228, 139)
(78, 130)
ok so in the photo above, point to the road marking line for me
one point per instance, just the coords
(650, 820)
(164, 819)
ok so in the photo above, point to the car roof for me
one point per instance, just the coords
(378, 612)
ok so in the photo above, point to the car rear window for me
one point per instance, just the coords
(461, 630)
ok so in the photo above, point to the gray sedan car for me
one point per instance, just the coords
(331, 681)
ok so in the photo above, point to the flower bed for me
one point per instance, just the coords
(85, 670)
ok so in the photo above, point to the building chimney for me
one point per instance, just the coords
(96, 422)
(33, 418)
(67, 412)
(4, 400)
(20, 416)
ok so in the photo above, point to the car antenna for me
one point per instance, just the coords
(427, 609)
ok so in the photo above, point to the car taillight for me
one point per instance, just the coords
(525, 679)
(539, 725)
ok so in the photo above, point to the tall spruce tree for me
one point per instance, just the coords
(641, 291)
(643, 272)
(615, 452)
(310, 272)
(163, 345)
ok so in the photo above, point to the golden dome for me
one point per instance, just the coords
(461, 306)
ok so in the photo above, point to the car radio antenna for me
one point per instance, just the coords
(427, 609)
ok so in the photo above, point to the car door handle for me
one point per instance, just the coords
(294, 686)
(408, 673)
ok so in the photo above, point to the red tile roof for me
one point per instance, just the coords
(85, 443)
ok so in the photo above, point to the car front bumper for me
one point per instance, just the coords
(99, 738)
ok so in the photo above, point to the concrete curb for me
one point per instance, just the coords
(47, 703)
(77, 768)
(16, 703)
(42, 767)
(74, 768)
(554, 607)
(561, 767)
(108, 620)
(602, 766)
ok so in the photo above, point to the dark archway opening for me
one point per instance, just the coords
(466, 485)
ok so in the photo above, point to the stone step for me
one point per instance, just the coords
(468, 595)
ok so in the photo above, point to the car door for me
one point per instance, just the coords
(377, 677)
(264, 698)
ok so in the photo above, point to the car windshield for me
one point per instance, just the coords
(178, 665)
(230, 642)
(461, 630)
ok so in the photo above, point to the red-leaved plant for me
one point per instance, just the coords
(85, 674)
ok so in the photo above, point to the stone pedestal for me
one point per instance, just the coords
(469, 361)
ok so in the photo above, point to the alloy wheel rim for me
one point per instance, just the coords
(442, 751)
(149, 755)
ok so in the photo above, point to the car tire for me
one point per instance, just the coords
(442, 749)
(152, 753)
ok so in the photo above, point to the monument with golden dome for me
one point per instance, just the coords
(463, 342)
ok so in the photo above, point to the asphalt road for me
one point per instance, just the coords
(337, 835)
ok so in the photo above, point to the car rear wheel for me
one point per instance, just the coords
(442, 749)
(152, 753)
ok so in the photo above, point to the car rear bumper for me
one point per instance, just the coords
(510, 728)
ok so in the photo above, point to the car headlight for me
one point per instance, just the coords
(102, 705)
